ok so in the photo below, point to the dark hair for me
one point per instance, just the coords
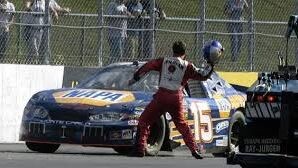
(179, 47)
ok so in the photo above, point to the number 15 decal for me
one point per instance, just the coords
(202, 122)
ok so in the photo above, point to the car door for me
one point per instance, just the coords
(199, 107)
(210, 109)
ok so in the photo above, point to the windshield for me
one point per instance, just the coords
(117, 77)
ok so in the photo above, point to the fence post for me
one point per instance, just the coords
(20, 16)
(47, 55)
(152, 27)
(201, 27)
(251, 39)
(100, 32)
(141, 33)
(83, 34)
(296, 46)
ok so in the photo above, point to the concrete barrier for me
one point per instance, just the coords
(17, 84)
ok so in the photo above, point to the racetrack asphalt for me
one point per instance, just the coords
(72, 156)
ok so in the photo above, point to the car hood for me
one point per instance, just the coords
(79, 104)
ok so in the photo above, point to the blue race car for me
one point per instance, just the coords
(103, 111)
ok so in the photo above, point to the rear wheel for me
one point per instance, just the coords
(42, 147)
(236, 123)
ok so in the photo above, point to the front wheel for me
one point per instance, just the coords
(154, 141)
(42, 147)
(255, 166)
(123, 150)
(156, 137)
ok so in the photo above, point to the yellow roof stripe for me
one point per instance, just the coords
(239, 78)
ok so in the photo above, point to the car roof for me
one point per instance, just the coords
(136, 63)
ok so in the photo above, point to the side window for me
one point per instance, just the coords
(151, 80)
(148, 83)
(196, 89)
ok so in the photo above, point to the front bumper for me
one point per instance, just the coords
(93, 134)
(263, 160)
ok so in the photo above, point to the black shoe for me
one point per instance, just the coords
(197, 155)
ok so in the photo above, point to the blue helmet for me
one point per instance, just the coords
(212, 50)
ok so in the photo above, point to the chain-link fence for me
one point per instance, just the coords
(99, 32)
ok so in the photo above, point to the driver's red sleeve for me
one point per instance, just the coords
(153, 65)
(193, 73)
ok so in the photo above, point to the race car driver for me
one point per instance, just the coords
(174, 72)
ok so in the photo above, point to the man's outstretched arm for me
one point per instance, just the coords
(153, 65)
(192, 72)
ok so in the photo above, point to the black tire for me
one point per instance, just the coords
(248, 166)
(123, 150)
(42, 147)
(236, 124)
(255, 166)
(156, 137)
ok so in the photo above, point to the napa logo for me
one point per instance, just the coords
(94, 97)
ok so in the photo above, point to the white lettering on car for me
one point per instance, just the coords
(221, 126)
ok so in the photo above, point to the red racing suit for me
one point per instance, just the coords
(174, 74)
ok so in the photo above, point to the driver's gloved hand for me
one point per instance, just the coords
(131, 82)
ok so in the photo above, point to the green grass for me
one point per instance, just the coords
(68, 47)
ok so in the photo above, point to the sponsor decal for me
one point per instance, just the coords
(172, 69)
(259, 145)
(115, 135)
(222, 142)
(221, 126)
(59, 122)
(127, 134)
(133, 122)
(223, 105)
(262, 149)
(94, 97)
(172, 63)
(139, 109)
(94, 94)
(124, 134)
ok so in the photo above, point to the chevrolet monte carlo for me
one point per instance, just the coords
(103, 111)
